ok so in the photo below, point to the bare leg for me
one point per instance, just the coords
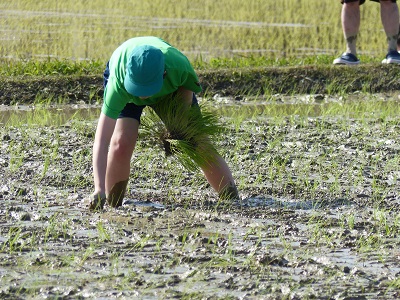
(351, 25)
(398, 41)
(122, 144)
(390, 21)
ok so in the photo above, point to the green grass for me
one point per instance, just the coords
(49, 67)
(56, 66)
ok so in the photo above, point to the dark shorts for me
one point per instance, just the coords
(362, 1)
(132, 110)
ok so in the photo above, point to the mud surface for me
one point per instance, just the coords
(173, 239)
(319, 216)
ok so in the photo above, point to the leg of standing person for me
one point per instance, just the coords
(398, 41)
(351, 25)
(350, 17)
(390, 20)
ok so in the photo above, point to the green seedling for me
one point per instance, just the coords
(104, 236)
(183, 131)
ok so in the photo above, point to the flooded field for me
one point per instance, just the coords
(318, 219)
(318, 174)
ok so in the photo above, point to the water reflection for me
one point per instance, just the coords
(249, 111)
(60, 115)
(46, 116)
(229, 108)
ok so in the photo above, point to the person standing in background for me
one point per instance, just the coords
(350, 17)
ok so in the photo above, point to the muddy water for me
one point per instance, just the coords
(303, 105)
(47, 115)
(251, 106)
(319, 214)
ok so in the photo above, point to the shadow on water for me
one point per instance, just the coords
(268, 201)
(260, 201)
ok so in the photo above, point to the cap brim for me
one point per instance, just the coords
(142, 90)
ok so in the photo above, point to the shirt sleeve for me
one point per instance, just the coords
(192, 82)
(180, 71)
(115, 99)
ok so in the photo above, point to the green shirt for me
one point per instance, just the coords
(179, 73)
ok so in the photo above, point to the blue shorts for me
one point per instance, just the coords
(131, 110)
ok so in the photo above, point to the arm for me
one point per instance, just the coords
(104, 132)
(186, 95)
(216, 171)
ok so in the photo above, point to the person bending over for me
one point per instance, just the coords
(141, 72)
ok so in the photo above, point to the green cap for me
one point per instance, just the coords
(144, 71)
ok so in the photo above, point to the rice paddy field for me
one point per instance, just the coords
(318, 171)
(203, 30)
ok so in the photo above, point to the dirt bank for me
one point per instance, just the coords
(228, 82)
